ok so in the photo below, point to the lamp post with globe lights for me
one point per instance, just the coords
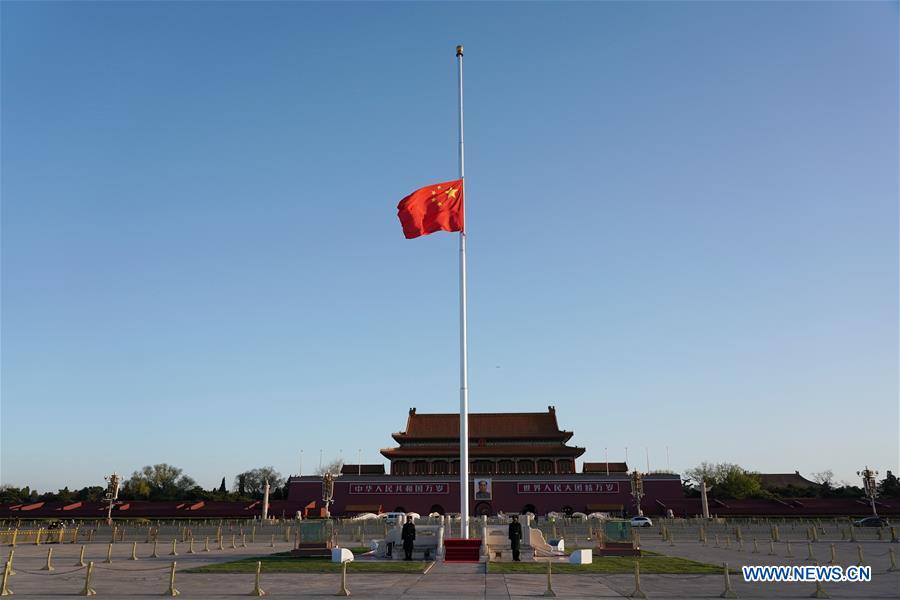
(869, 487)
(637, 490)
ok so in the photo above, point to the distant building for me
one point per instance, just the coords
(501, 444)
(782, 481)
(602, 467)
(519, 462)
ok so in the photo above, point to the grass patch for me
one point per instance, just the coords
(284, 562)
(650, 563)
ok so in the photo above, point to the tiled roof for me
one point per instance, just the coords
(452, 451)
(513, 425)
(782, 480)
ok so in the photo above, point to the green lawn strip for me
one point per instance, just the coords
(658, 564)
(283, 562)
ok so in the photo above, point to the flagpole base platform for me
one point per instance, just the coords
(462, 550)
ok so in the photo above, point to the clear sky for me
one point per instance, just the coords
(683, 231)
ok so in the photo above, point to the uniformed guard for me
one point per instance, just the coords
(515, 536)
(408, 535)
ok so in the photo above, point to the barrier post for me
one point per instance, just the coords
(789, 553)
(257, 591)
(80, 562)
(820, 591)
(771, 548)
(253, 535)
(272, 544)
(174, 551)
(549, 593)
(172, 591)
(859, 554)
(221, 547)
(809, 551)
(155, 553)
(4, 585)
(233, 537)
(343, 591)
(75, 535)
(638, 592)
(49, 565)
(191, 545)
(134, 551)
(88, 590)
(728, 593)
(37, 538)
(108, 553)
(894, 539)
(832, 561)
(243, 540)
(893, 566)
(206, 545)
(755, 547)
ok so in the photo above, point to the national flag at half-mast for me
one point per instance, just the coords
(437, 207)
(440, 207)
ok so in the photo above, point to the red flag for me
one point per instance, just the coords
(437, 207)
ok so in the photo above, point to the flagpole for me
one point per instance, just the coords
(463, 334)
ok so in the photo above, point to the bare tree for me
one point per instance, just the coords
(334, 467)
(825, 478)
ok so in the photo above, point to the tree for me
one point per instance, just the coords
(334, 467)
(222, 487)
(254, 481)
(824, 478)
(90, 494)
(889, 487)
(727, 480)
(158, 482)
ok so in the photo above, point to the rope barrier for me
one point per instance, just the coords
(49, 573)
(127, 570)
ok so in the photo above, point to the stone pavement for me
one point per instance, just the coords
(148, 578)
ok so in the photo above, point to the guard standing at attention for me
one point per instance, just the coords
(515, 536)
(408, 535)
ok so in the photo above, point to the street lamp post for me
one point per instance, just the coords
(869, 486)
(327, 493)
(637, 490)
(112, 494)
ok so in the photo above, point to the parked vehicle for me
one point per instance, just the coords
(641, 522)
(394, 518)
(872, 522)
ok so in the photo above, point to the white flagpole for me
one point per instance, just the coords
(463, 334)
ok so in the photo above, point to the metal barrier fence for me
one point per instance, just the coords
(574, 531)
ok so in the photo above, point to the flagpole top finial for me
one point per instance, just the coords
(459, 50)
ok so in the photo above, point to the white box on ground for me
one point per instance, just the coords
(341, 555)
(581, 557)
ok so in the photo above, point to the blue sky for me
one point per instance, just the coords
(683, 231)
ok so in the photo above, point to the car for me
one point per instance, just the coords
(393, 518)
(872, 522)
(641, 522)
